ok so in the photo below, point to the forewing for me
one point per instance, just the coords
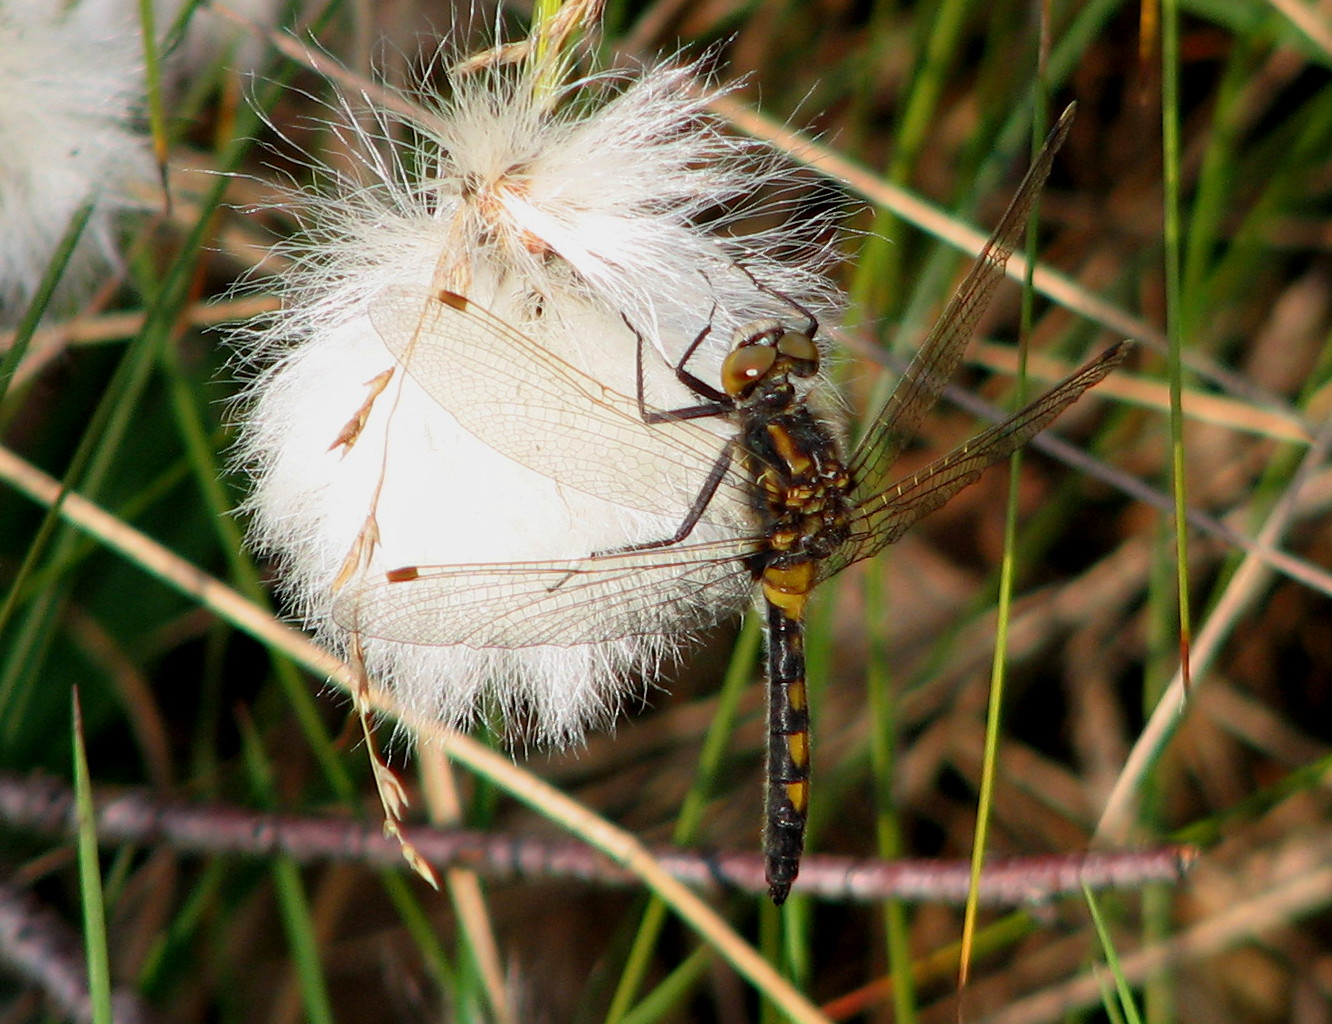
(937, 359)
(533, 407)
(883, 518)
(675, 589)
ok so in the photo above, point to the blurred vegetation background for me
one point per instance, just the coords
(126, 398)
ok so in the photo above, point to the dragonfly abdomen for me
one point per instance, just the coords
(787, 800)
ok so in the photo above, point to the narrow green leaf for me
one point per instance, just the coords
(90, 879)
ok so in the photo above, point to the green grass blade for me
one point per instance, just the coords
(1126, 1004)
(878, 276)
(294, 905)
(1007, 576)
(41, 299)
(90, 880)
(667, 997)
(885, 735)
(1170, 115)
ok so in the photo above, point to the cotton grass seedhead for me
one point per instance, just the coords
(71, 82)
(565, 211)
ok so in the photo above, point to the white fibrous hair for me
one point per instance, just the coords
(569, 216)
(71, 83)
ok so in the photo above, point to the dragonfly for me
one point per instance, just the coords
(811, 511)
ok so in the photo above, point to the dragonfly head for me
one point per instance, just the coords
(767, 351)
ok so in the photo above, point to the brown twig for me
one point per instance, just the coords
(43, 804)
(38, 945)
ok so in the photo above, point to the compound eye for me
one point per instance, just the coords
(801, 351)
(745, 367)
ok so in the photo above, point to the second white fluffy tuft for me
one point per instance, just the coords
(71, 83)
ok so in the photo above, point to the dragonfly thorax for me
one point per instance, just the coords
(800, 480)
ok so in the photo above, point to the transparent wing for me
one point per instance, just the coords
(882, 519)
(531, 406)
(562, 603)
(934, 364)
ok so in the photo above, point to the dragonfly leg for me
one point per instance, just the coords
(700, 505)
(811, 327)
(718, 402)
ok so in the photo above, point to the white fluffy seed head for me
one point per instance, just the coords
(562, 224)
(70, 84)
